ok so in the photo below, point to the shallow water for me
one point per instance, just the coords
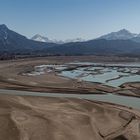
(108, 74)
(122, 100)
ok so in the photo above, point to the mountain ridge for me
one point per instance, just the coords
(121, 34)
(41, 38)
(14, 43)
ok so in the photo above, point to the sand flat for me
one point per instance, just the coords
(46, 118)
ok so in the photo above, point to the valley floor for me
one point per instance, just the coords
(12, 77)
(51, 118)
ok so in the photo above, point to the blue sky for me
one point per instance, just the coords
(65, 19)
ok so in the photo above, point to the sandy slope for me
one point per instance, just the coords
(40, 118)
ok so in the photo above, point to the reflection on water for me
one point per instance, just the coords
(109, 74)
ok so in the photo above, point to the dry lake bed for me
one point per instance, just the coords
(70, 98)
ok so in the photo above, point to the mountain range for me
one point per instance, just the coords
(119, 35)
(122, 42)
(41, 38)
(13, 43)
(122, 35)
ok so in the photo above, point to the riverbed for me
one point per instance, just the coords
(116, 99)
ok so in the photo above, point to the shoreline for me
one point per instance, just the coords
(76, 117)
(90, 97)
(11, 78)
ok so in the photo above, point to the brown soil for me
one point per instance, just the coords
(11, 77)
(40, 118)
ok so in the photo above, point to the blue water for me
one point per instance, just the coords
(103, 74)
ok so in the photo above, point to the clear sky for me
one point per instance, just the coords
(66, 19)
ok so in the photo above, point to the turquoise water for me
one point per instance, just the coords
(110, 75)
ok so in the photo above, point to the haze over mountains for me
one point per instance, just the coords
(41, 38)
(122, 42)
(122, 34)
(119, 35)
(13, 43)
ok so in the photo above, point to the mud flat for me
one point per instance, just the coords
(46, 118)
(13, 76)
(61, 118)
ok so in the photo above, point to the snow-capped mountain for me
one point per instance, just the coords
(41, 38)
(120, 43)
(122, 34)
(12, 42)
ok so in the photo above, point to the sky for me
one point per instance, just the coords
(68, 19)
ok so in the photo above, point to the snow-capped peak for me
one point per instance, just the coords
(40, 38)
(121, 34)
